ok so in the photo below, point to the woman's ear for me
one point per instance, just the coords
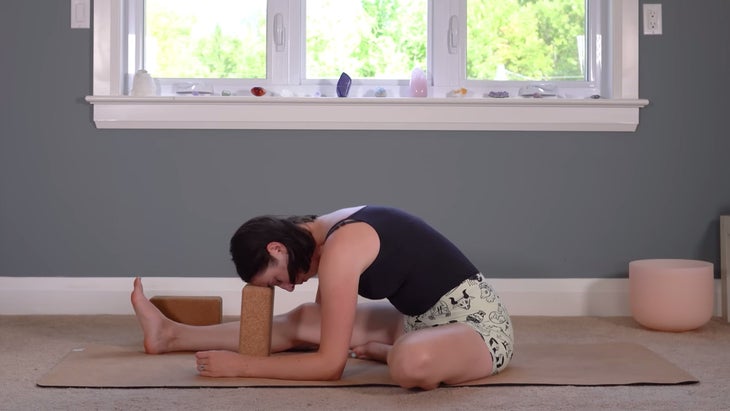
(275, 247)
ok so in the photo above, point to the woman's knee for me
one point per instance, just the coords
(303, 322)
(303, 313)
(411, 365)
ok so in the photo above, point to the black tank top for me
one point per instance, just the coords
(415, 266)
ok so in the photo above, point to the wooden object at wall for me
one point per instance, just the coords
(725, 265)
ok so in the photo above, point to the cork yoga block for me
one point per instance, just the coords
(190, 310)
(257, 310)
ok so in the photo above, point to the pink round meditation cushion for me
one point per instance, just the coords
(671, 294)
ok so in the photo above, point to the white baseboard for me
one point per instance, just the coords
(103, 295)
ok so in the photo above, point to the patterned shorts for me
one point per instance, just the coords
(474, 303)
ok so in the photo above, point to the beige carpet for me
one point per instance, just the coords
(30, 346)
(103, 366)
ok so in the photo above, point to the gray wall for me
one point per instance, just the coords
(78, 201)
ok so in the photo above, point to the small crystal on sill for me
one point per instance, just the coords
(381, 92)
(258, 91)
(343, 85)
(459, 92)
(498, 94)
(419, 83)
(539, 90)
(193, 89)
(143, 84)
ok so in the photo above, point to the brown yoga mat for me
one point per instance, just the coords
(105, 366)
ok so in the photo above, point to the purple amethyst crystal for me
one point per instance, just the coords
(343, 85)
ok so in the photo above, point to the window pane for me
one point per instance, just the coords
(526, 40)
(381, 39)
(209, 39)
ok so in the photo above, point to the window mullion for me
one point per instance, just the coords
(594, 39)
(283, 23)
(135, 56)
(109, 46)
(447, 43)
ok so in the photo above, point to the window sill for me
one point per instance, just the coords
(547, 114)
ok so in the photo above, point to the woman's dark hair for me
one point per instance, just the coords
(248, 244)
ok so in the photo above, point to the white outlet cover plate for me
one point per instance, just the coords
(652, 19)
(80, 14)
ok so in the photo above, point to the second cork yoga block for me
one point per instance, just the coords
(257, 310)
(190, 310)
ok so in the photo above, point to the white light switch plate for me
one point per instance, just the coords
(80, 14)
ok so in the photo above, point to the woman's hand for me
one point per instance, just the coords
(220, 363)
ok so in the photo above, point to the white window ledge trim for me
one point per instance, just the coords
(113, 109)
(365, 113)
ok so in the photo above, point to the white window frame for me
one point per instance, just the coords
(113, 109)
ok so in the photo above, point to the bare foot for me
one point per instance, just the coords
(373, 350)
(157, 329)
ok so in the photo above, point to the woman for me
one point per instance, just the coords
(445, 324)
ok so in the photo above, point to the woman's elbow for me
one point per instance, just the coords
(334, 370)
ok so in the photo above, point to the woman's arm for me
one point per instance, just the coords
(347, 253)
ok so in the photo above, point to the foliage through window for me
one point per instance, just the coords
(382, 39)
(222, 39)
(526, 40)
